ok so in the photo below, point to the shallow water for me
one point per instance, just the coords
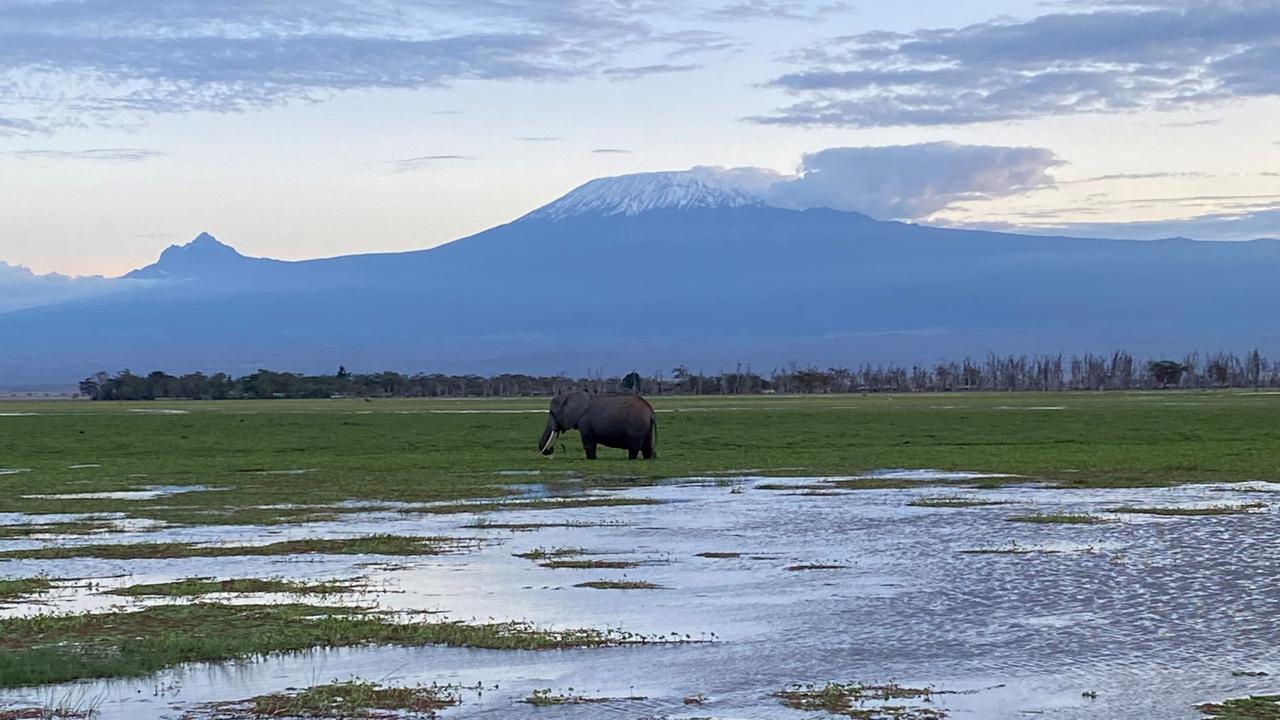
(147, 493)
(1151, 613)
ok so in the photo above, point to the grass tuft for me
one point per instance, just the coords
(861, 701)
(954, 502)
(356, 699)
(366, 545)
(46, 649)
(21, 587)
(1059, 519)
(619, 585)
(1257, 707)
(1243, 509)
(194, 587)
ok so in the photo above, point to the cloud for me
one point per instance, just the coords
(611, 151)
(417, 163)
(631, 73)
(1253, 225)
(777, 10)
(541, 139)
(20, 288)
(15, 126)
(75, 62)
(1120, 57)
(909, 182)
(128, 155)
(1134, 176)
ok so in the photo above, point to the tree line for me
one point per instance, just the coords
(1115, 371)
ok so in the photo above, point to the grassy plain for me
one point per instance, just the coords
(271, 462)
(49, 649)
(264, 453)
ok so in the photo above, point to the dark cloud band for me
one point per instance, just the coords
(1116, 58)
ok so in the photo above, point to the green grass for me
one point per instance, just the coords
(83, 527)
(351, 699)
(546, 698)
(51, 649)
(1192, 511)
(538, 554)
(22, 587)
(367, 545)
(954, 502)
(1059, 519)
(413, 450)
(194, 587)
(863, 701)
(1257, 707)
(619, 585)
(589, 564)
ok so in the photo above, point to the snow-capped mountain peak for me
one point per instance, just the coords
(642, 192)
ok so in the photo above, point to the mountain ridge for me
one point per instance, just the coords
(698, 283)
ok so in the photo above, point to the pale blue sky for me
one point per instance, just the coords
(300, 129)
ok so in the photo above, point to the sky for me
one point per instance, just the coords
(294, 129)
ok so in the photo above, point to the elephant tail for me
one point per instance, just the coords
(653, 434)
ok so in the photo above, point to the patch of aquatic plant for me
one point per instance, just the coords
(792, 487)
(356, 699)
(79, 527)
(892, 483)
(589, 564)
(487, 524)
(1241, 509)
(1256, 707)
(863, 701)
(720, 555)
(1012, 548)
(47, 649)
(366, 545)
(193, 587)
(550, 553)
(546, 697)
(1059, 518)
(949, 501)
(619, 585)
(22, 587)
(247, 515)
(540, 504)
(815, 566)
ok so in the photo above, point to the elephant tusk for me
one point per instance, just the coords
(551, 440)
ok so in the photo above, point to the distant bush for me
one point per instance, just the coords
(1116, 371)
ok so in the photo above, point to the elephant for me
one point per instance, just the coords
(617, 420)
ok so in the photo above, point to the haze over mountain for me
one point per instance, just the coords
(650, 271)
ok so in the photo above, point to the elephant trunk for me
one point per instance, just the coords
(546, 444)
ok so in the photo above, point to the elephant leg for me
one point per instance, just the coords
(589, 444)
(647, 448)
(633, 454)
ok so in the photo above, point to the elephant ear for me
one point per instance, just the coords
(575, 406)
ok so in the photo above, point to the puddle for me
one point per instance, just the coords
(928, 475)
(18, 414)
(149, 411)
(14, 471)
(1152, 614)
(295, 471)
(85, 466)
(149, 493)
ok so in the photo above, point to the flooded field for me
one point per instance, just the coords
(753, 595)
